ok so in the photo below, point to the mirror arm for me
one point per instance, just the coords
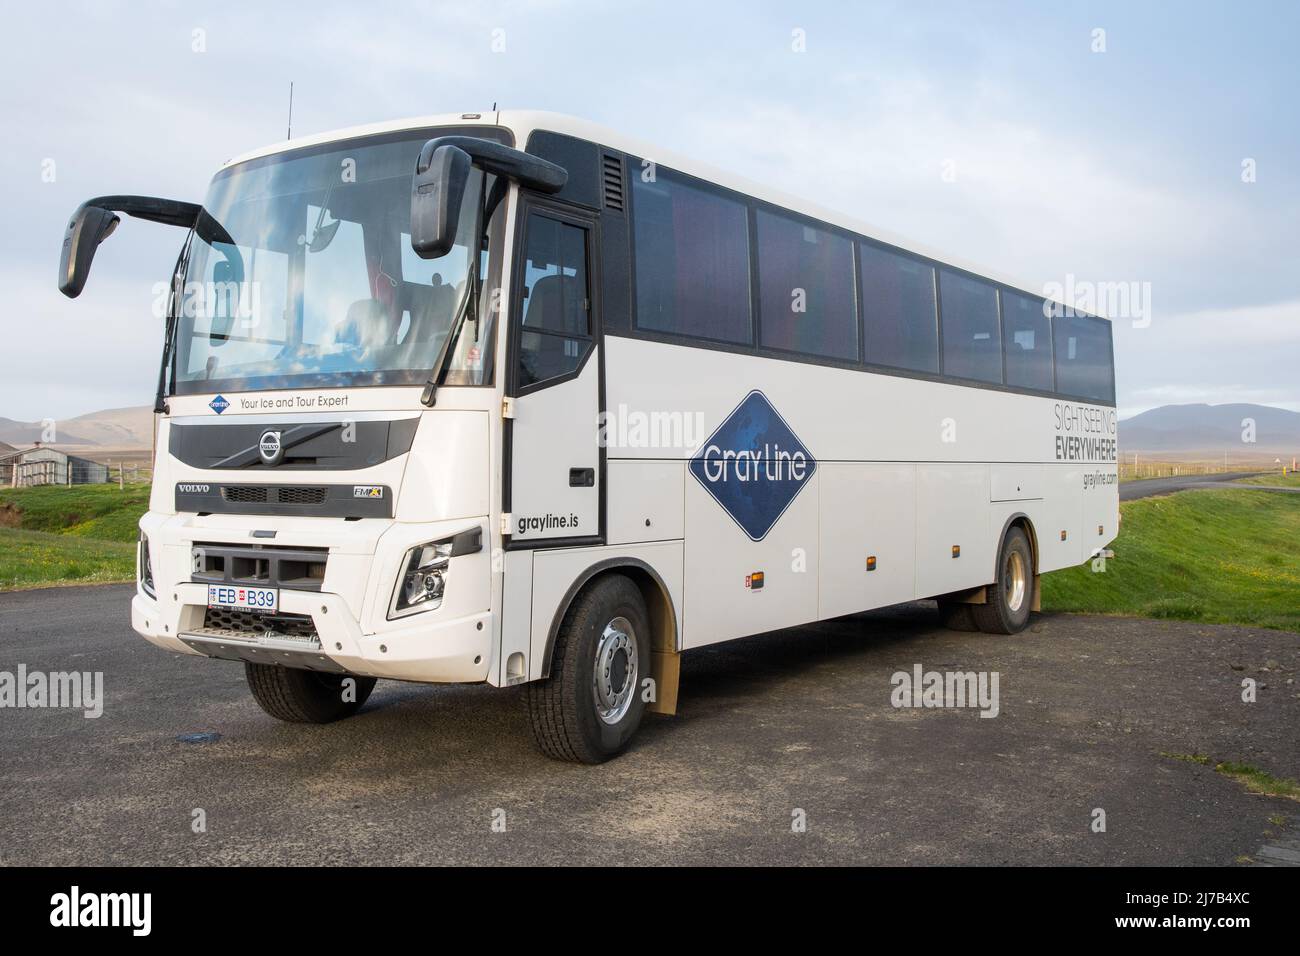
(528, 170)
(169, 212)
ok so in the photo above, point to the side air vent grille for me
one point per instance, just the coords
(612, 181)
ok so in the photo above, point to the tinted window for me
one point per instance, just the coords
(971, 345)
(898, 305)
(805, 289)
(556, 318)
(692, 260)
(1027, 341)
(1083, 357)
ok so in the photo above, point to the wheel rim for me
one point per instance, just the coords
(615, 678)
(1015, 580)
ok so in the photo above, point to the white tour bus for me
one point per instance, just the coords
(512, 398)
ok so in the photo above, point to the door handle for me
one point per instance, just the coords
(582, 477)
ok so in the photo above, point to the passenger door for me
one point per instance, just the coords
(554, 465)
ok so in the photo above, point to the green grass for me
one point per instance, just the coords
(1187, 758)
(1252, 778)
(1224, 557)
(1259, 781)
(38, 559)
(83, 534)
(1291, 480)
(90, 511)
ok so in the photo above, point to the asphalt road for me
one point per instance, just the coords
(1149, 487)
(795, 720)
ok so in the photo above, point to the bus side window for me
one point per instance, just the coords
(1026, 341)
(805, 288)
(902, 327)
(968, 316)
(555, 331)
(1084, 365)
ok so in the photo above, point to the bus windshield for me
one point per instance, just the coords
(304, 276)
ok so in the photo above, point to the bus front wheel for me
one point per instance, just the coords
(306, 697)
(591, 705)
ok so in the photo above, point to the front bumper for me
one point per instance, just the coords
(450, 644)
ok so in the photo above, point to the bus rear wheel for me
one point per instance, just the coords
(591, 705)
(1009, 598)
(306, 697)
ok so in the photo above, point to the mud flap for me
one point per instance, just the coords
(665, 670)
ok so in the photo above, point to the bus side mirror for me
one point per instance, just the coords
(437, 190)
(90, 226)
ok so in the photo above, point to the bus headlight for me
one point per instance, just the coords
(423, 580)
(146, 567)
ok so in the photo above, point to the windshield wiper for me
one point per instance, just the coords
(173, 315)
(429, 397)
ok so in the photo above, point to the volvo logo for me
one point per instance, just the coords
(270, 448)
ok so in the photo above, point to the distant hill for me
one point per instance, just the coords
(1211, 429)
(24, 434)
(116, 428)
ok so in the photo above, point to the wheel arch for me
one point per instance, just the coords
(1018, 520)
(664, 634)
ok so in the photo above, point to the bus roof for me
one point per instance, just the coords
(522, 123)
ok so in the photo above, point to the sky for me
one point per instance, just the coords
(1146, 147)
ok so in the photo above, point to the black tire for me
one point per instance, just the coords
(563, 708)
(957, 616)
(1001, 614)
(304, 697)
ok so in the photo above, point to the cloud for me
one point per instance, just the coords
(1018, 203)
(1245, 354)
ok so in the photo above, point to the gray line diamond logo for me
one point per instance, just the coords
(754, 465)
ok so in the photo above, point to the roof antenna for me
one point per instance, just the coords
(289, 132)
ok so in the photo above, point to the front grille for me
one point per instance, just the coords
(300, 495)
(280, 494)
(247, 625)
(244, 494)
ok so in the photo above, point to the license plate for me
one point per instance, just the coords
(248, 599)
